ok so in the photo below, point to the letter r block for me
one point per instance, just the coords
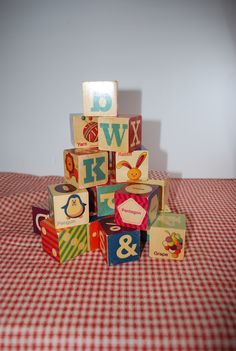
(85, 168)
(137, 205)
(100, 98)
(120, 134)
(118, 244)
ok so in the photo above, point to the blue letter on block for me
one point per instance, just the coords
(96, 169)
(96, 102)
(115, 131)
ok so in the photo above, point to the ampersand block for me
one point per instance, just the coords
(100, 98)
(85, 168)
(40, 211)
(137, 205)
(167, 236)
(161, 179)
(68, 206)
(120, 134)
(63, 244)
(93, 228)
(105, 198)
(118, 244)
(85, 131)
(133, 166)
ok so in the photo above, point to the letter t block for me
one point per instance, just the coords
(120, 134)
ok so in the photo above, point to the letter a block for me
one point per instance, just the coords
(100, 98)
(137, 205)
(63, 244)
(167, 236)
(85, 131)
(118, 244)
(120, 134)
(85, 168)
(68, 206)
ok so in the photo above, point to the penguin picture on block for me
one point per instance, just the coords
(74, 207)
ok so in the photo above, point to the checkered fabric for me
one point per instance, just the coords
(149, 304)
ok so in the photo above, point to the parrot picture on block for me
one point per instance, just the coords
(74, 207)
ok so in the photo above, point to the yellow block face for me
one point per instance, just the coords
(113, 134)
(85, 131)
(132, 166)
(70, 205)
(100, 98)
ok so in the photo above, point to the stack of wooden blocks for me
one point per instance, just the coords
(108, 201)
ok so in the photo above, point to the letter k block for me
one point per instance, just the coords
(120, 134)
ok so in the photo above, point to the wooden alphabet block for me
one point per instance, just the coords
(133, 166)
(63, 244)
(167, 236)
(85, 131)
(105, 198)
(100, 98)
(162, 179)
(137, 205)
(93, 207)
(40, 211)
(120, 134)
(85, 168)
(68, 206)
(118, 244)
(93, 233)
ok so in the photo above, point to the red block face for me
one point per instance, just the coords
(135, 133)
(132, 205)
(93, 235)
(103, 244)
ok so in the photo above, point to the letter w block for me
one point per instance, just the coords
(120, 134)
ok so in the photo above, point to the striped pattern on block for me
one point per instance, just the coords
(63, 244)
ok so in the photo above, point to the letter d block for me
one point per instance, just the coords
(85, 168)
(68, 206)
(167, 236)
(118, 244)
(120, 134)
(63, 244)
(137, 205)
(100, 98)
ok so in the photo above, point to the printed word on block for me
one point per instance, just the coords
(68, 205)
(40, 211)
(132, 166)
(167, 236)
(120, 134)
(85, 131)
(93, 233)
(100, 98)
(105, 198)
(161, 179)
(85, 168)
(137, 205)
(63, 244)
(118, 244)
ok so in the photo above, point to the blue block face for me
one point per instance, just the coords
(123, 247)
(105, 198)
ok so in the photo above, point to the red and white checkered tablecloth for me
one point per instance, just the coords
(145, 305)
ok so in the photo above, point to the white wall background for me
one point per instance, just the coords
(175, 62)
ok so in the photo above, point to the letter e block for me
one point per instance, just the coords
(68, 206)
(167, 236)
(100, 98)
(85, 168)
(63, 244)
(118, 244)
(137, 205)
(120, 134)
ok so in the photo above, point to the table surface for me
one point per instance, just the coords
(145, 305)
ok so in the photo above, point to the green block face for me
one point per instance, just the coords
(170, 220)
(72, 242)
(105, 198)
